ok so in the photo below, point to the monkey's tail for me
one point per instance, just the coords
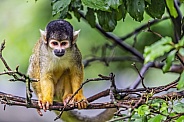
(75, 116)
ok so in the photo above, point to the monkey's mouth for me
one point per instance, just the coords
(59, 52)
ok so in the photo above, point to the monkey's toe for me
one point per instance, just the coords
(82, 104)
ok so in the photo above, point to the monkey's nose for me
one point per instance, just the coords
(59, 52)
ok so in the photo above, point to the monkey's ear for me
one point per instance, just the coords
(43, 35)
(75, 35)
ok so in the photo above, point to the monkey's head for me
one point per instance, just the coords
(59, 36)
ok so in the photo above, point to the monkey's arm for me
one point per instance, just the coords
(47, 90)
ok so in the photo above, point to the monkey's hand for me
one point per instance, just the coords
(78, 100)
(43, 104)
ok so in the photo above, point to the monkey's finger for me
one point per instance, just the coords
(65, 102)
(40, 104)
(79, 105)
(84, 105)
(47, 105)
(39, 112)
(44, 107)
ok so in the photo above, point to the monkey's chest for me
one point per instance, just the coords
(60, 74)
(62, 83)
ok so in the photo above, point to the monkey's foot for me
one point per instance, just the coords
(78, 100)
(44, 105)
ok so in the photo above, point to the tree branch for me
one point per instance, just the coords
(87, 62)
(176, 21)
(144, 26)
(117, 41)
(142, 72)
(12, 100)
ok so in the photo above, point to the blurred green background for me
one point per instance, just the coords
(19, 26)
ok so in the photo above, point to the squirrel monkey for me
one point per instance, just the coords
(57, 63)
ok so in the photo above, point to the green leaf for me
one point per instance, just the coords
(97, 4)
(164, 108)
(76, 4)
(136, 118)
(149, 1)
(157, 118)
(181, 81)
(179, 107)
(180, 119)
(136, 9)
(156, 9)
(181, 51)
(169, 60)
(181, 42)
(107, 20)
(157, 101)
(158, 104)
(157, 49)
(63, 13)
(143, 110)
(90, 17)
(172, 114)
(121, 12)
(144, 118)
(60, 6)
(172, 9)
(76, 14)
(114, 3)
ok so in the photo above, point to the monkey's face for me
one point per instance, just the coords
(59, 47)
(59, 37)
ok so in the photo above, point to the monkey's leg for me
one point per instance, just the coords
(47, 88)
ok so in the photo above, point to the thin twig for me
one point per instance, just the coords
(119, 118)
(142, 72)
(149, 30)
(144, 26)
(112, 88)
(181, 59)
(142, 78)
(87, 62)
(1, 56)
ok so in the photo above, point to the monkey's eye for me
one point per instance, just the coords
(63, 43)
(55, 43)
